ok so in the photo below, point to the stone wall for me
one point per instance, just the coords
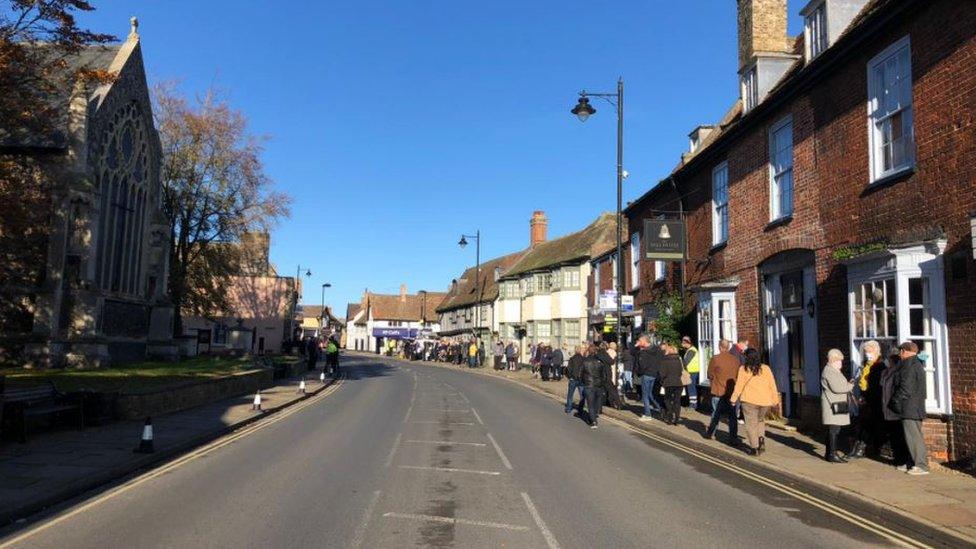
(173, 399)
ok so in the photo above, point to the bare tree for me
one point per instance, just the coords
(215, 190)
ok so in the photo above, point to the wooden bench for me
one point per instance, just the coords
(22, 404)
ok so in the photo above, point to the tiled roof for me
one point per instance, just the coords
(418, 307)
(467, 292)
(582, 245)
(351, 310)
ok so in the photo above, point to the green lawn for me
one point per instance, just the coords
(134, 378)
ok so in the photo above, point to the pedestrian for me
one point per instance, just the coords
(692, 363)
(892, 423)
(545, 362)
(908, 403)
(723, 368)
(627, 358)
(573, 373)
(481, 354)
(835, 392)
(647, 369)
(499, 354)
(670, 371)
(869, 429)
(593, 376)
(739, 351)
(755, 389)
(473, 354)
(557, 360)
(510, 354)
(311, 353)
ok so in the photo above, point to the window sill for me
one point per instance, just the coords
(718, 247)
(891, 178)
(785, 220)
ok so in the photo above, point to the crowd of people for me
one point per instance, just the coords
(313, 348)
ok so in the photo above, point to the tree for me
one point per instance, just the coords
(38, 39)
(215, 190)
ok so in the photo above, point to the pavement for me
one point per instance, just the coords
(57, 465)
(945, 499)
(402, 454)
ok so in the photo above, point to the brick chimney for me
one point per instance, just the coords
(762, 29)
(537, 228)
(403, 293)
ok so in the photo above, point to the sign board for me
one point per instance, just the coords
(608, 300)
(627, 303)
(395, 333)
(664, 239)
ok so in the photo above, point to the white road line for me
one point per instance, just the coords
(448, 410)
(464, 398)
(448, 442)
(449, 470)
(452, 520)
(396, 444)
(476, 416)
(444, 422)
(550, 539)
(357, 538)
(508, 464)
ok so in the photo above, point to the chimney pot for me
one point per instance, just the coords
(538, 226)
(403, 292)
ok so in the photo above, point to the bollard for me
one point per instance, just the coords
(146, 443)
(301, 386)
(322, 377)
(257, 401)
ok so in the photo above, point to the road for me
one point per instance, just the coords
(410, 455)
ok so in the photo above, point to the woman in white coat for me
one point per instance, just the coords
(835, 407)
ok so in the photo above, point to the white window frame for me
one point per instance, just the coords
(720, 211)
(920, 261)
(781, 172)
(660, 270)
(900, 51)
(571, 278)
(750, 88)
(815, 32)
(710, 325)
(635, 261)
(596, 282)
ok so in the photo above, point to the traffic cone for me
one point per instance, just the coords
(322, 377)
(146, 444)
(301, 386)
(257, 401)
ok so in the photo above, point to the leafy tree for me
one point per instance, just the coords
(215, 191)
(670, 317)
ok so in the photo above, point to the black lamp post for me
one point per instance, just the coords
(583, 110)
(294, 309)
(477, 276)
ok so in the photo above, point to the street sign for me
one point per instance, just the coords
(664, 239)
(627, 303)
(608, 300)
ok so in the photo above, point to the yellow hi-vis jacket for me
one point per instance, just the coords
(692, 360)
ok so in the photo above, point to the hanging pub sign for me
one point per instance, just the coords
(664, 239)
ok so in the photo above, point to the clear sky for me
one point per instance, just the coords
(398, 125)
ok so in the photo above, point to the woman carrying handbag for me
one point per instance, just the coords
(835, 406)
(755, 388)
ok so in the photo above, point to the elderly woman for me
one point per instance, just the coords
(835, 412)
(869, 427)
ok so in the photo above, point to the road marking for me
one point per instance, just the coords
(452, 520)
(444, 422)
(166, 468)
(413, 397)
(464, 398)
(508, 464)
(447, 410)
(357, 538)
(446, 442)
(550, 539)
(396, 444)
(476, 416)
(449, 470)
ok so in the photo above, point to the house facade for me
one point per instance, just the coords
(833, 204)
(543, 297)
(469, 308)
(389, 320)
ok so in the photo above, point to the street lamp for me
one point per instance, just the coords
(294, 307)
(583, 110)
(477, 276)
(322, 312)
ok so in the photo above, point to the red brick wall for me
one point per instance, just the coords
(833, 205)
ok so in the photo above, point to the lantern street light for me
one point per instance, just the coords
(477, 276)
(583, 110)
(294, 307)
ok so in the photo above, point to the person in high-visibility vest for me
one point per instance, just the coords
(692, 363)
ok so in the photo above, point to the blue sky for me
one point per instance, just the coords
(398, 125)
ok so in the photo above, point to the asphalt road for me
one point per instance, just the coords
(409, 455)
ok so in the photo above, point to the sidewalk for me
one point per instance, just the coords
(945, 500)
(55, 466)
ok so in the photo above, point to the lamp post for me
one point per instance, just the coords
(294, 307)
(477, 276)
(583, 110)
(322, 313)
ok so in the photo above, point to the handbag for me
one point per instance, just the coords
(838, 408)
(685, 377)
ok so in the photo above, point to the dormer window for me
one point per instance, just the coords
(815, 31)
(750, 89)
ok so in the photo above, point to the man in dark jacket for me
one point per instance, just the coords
(670, 372)
(908, 402)
(573, 373)
(593, 376)
(557, 363)
(646, 370)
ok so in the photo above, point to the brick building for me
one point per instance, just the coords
(833, 203)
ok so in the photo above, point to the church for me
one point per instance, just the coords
(94, 291)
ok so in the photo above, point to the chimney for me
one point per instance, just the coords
(762, 29)
(403, 293)
(537, 228)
